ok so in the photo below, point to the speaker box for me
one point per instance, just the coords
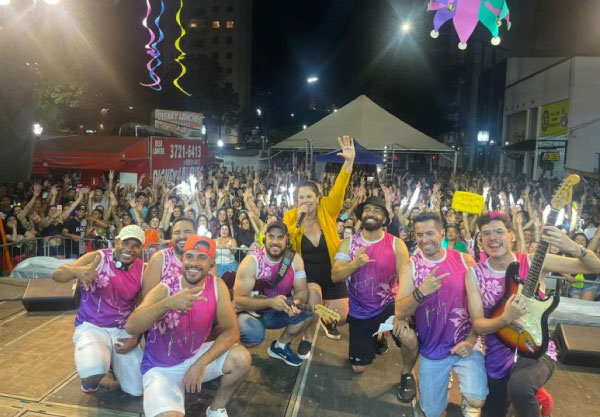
(45, 294)
(578, 345)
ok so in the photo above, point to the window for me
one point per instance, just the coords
(196, 24)
(229, 24)
(229, 40)
(229, 55)
(215, 40)
(216, 24)
(229, 9)
(215, 9)
(215, 56)
(228, 70)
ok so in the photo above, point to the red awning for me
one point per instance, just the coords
(120, 153)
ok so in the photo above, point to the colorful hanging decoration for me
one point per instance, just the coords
(151, 47)
(466, 13)
(181, 56)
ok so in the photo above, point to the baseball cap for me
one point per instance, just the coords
(202, 244)
(132, 232)
(279, 225)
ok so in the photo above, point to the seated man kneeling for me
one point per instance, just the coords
(268, 270)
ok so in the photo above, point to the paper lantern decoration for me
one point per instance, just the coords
(466, 13)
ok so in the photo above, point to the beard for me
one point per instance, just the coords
(371, 223)
(275, 257)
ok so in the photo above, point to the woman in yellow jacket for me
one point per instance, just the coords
(317, 240)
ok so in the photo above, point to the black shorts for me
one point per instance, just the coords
(362, 343)
(329, 290)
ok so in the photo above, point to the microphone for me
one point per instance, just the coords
(300, 219)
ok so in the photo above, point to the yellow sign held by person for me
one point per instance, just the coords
(467, 202)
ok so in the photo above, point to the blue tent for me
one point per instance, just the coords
(363, 156)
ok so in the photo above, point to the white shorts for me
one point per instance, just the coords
(95, 352)
(163, 386)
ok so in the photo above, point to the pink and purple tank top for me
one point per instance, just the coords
(177, 336)
(499, 358)
(266, 272)
(110, 298)
(442, 318)
(172, 268)
(373, 286)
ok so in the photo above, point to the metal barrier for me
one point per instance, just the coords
(62, 247)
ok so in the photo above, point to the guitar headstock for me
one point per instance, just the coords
(564, 194)
(323, 311)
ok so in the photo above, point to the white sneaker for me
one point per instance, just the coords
(221, 412)
(469, 411)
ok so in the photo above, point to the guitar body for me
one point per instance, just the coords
(528, 334)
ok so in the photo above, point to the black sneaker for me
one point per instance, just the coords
(331, 330)
(407, 388)
(303, 350)
(381, 345)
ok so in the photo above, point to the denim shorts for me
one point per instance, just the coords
(586, 288)
(434, 375)
(252, 329)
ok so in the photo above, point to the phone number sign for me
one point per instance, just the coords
(173, 158)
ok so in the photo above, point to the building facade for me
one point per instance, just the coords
(551, 116)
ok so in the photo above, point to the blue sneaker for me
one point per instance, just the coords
(286, 354)
(89, 389)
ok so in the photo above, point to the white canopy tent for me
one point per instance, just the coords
(374, 127)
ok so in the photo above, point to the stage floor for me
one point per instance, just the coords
(37, 378)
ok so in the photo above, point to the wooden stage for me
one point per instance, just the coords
(37, 378)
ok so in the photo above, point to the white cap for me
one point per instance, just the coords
(132, 232)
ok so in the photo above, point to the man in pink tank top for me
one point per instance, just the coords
(370, 263)
(276, 306)
(510, 381)
(433, 289)
(179, 316)
(165, 265)
(111, 281)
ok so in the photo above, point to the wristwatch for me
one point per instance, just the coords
(582, 252)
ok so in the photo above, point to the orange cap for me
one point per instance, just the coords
(201, 244)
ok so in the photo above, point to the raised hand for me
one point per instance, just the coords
(347, 145)
(361, 258)
(433, 282)
(54, 190)
(111, 175)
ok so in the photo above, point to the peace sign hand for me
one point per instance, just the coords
(361, 258)
(433, 282)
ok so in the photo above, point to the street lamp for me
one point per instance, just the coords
(312, 80)
(405, 27)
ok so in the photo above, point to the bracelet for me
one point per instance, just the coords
(418, 296)
(421, 295)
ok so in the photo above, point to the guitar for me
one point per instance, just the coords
(319, 309)
(261, 285)
(529, 334)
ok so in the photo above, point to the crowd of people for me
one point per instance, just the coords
(366, 248)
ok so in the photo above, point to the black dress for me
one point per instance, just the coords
(318, 269)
